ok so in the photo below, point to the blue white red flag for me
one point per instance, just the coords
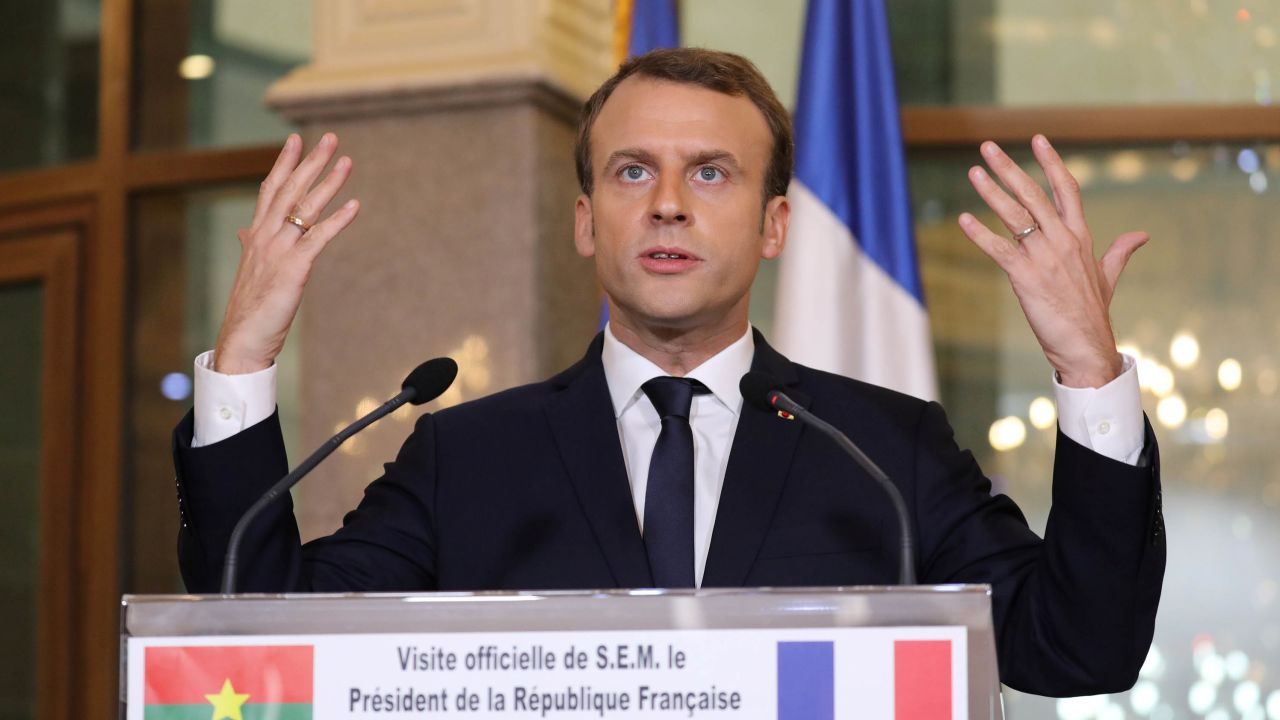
(644, 25)
(850, 300)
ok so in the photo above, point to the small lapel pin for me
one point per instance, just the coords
(786, 415)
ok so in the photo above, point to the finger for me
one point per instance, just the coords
(1025, 190)
(1015, 217)
(1117, 256)
(300, 180)
(286, 161)
(1066, 190)
(997, 247)
(314, 203)
(315, 240)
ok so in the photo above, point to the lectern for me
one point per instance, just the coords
(895, 653)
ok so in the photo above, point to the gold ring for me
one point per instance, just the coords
(1024, 234)
(295, 220)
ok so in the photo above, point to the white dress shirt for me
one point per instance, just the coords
(1107, 420)
(713, 418)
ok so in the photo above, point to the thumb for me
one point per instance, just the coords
(1117, 256)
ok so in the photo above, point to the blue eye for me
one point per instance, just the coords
(634, 173)
(709, 174)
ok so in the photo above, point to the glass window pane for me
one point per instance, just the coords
(1031, 52)
(203, 85)
(1045, 52)
(184, 254)
(21, 340)
(1199, 304)
(48, 83)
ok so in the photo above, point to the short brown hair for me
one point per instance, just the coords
(712, 69)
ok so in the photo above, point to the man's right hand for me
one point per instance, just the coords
(276, 256)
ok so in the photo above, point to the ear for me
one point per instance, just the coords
(777, 216)
(584, 236)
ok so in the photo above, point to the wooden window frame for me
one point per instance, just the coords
(48, 256)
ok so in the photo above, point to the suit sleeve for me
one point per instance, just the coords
(1075, 612)
(385, 544)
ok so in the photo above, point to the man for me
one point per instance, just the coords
(641, 466)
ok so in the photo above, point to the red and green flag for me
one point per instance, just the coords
(241, 682)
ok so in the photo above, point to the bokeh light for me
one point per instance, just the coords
(196, 67)
(1201, 697)
(1246, 696)
(1007, 433)
(1248, 161)
(1171, 411)
(1216, 423)
(1161, 380)
(1126, 166)
(1042, 413)
(175, 386)
(1144, 697)
(1230, 373)
(1273, 705)
(1258, 182)
(1184, 351)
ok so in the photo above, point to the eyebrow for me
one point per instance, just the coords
(722, 157)
(628, 155)
(719, 157)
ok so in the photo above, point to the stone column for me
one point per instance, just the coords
(459, 116)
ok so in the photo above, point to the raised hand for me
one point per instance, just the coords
(1064, 290)
(277, 252)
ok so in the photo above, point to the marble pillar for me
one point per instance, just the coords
(459, 116)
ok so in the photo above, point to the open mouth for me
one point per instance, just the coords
(668, 260)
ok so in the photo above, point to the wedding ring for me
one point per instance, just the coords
(295, 220)
(1026, 233)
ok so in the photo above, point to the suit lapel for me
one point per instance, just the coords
(586, 433)
(759, 462)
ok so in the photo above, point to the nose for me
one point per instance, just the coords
(668, 204)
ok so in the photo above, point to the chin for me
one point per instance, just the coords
(672, 317)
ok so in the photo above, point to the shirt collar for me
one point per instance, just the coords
(625, 370)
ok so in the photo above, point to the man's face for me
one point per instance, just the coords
(675, 219)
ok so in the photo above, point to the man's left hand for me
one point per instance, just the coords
(1064, 290)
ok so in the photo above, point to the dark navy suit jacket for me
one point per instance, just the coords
(527, 489)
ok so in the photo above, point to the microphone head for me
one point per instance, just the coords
(430, 379)
(757, 387)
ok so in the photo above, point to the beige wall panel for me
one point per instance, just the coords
(464, 247)
(369, 47)
(459, 115)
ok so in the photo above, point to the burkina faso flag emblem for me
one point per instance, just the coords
(241, 682)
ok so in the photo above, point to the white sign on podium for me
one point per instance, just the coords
(796, 654)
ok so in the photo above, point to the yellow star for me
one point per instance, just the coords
(226, 704)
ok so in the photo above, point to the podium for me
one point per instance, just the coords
(897, 653)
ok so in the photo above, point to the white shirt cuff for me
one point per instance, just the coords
(227, 404)
(1107, 420)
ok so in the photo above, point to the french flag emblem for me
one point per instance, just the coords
(921, 680)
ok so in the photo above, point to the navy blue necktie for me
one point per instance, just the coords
(668, 500)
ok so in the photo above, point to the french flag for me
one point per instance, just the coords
(644, 25)
(849, 297)
(808, 680)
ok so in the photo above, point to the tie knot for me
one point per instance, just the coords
(672, 396)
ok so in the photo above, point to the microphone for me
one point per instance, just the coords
(424, 384)
(761, 391)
